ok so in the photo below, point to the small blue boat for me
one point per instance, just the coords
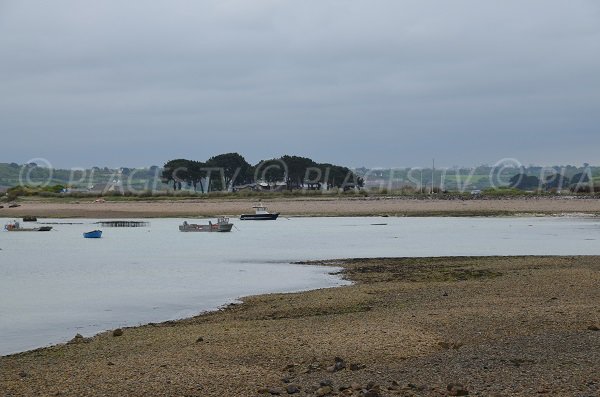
(93, 234)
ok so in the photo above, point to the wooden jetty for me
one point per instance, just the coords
(123, 223)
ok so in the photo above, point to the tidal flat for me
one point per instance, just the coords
(505, 326)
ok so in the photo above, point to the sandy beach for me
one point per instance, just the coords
(309, 206)
(495, 326)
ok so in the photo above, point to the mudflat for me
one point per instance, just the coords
(503, 326)
(305, 206)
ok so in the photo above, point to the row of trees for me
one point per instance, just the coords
(550, 182)
(230, 170)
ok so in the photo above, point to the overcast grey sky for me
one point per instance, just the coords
(374, 82)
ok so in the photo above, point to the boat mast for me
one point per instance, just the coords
(432, 174)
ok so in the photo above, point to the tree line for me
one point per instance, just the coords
(230, 171)
(579, 183)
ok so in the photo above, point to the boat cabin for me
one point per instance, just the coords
(260, 209)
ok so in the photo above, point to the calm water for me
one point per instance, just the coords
(56, 284)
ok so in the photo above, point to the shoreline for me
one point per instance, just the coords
(314, 207)
(333, 270)
(410, 325)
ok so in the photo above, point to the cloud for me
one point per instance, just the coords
(355, 82)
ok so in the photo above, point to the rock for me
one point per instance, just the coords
(292, 389)
(323, 391)
(373, 390)
(23, 374)
(594, 328)
(395, 386)
(456, 389)
(200, 339)
(326, 382)
(275, 392)
(118, 332)
(355, 386)
(263, 390)
(338, 366)
(110, 363)
(340, 362)
(372, 385)
(78, 339)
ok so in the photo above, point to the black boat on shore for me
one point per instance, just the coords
(261, 214)
(16, 227)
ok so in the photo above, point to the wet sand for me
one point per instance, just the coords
(503, 326)
(320, 206)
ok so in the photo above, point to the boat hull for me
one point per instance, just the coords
(30, 229)
(222, 228)
(259, 217)
(93, 234)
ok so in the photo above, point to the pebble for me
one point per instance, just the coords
(323, 391)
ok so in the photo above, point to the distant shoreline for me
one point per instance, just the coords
(303, 206)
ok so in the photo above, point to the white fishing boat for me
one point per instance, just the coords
(260, 214)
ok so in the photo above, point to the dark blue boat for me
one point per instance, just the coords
(261, 214)
(93, 234)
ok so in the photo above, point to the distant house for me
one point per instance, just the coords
(104, 188)
(261, 186)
